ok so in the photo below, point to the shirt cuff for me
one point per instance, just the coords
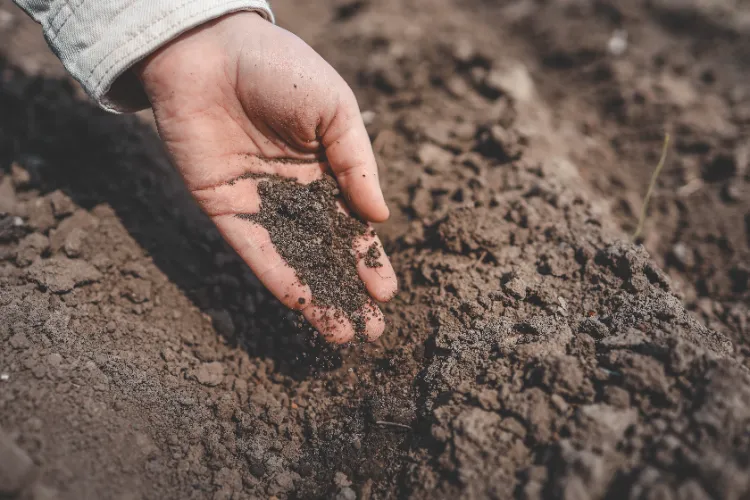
(98, 41)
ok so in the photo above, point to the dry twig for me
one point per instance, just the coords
(385, 423)
(654, 176)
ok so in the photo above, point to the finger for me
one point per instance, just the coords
(349, 152)
(375, 268)
(331, 323)
(253, 243)
(335, 327)
(374, 321)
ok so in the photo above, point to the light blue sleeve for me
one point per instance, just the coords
(99, 40)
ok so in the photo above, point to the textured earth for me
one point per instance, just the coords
(534, 350)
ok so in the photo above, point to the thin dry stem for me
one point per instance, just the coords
(654, 176)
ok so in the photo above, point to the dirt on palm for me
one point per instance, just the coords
(317, 240)
(532, 352)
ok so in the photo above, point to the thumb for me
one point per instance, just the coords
(350, 155)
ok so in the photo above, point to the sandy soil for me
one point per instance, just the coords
(534, 350)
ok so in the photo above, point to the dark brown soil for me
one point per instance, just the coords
(684, 71)
(317, 240)
(372, 256)
(533, 351)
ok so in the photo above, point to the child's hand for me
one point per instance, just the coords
(238, 93)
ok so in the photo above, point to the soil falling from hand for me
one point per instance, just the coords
(317, 241)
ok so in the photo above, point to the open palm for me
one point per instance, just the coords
(241, 96)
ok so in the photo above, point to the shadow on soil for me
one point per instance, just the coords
(99, 158)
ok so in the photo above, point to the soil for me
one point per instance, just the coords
(683, 72)
(534, 350)
(317, 240)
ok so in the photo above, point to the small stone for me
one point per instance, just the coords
(431, 155)
(560, 403)
(210, 374)
(340, 480)
(71, 232)
(368, 117)
(463, 51)
(465, 131)
(515, 287)
(493, 83)
(457, 87)
(594, 328)
(512, 79)
(618, 43)
(74, 242)
(346, 494)
(41, 216)
(439, 132)
(682, 256)
(62, 205)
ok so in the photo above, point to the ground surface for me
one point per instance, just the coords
(533, 350)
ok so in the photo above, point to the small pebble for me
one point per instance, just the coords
(368, 117)
(618, 43)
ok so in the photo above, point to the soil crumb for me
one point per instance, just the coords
(317, 241)
(372, 256)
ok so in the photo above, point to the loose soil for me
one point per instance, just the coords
(533, 351)
(317, 240)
